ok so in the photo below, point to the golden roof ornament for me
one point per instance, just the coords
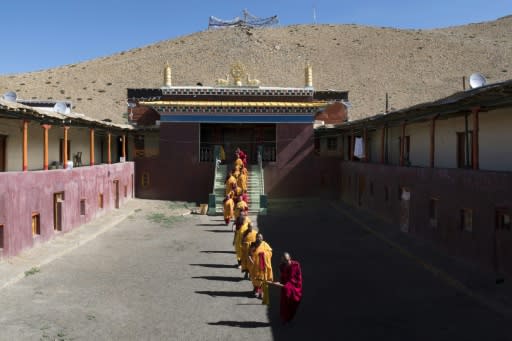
(167, 75)
(236, 77)
(308, 76)
(238, 71)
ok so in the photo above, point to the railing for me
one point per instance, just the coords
(269, 153)
(216, 157)
(206, 154)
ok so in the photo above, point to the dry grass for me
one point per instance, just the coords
(411, 65)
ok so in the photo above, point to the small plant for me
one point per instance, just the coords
(32, 271)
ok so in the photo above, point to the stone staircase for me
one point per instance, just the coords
(255, 185)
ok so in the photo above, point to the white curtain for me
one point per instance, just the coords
(359, 148)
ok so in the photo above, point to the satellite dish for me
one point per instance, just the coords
(477, 80)
(61, 108)
(9, 96)
(347, 104)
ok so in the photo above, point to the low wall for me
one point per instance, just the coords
(483, 192)
(26, 193)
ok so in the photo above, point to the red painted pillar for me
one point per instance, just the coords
(91, 146)
(109, 155)
(124, 147)
(65, 147)
(46, 127)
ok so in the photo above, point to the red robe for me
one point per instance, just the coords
(291, 293)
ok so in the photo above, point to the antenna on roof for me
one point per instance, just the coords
(9, 96)
(477, 80)
(61, 108)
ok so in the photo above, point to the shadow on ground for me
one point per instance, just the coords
(358, 288)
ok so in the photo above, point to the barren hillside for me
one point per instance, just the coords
(411, 65)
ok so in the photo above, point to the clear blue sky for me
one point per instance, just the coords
(39, 34)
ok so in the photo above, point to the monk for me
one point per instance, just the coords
(240, 206)
(290, 282)
(248, 237)
(241, 181)
(230, 181)
(261, 262)
(229, 208)
(241, 224)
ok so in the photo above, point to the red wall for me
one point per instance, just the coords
(297, 171)
(176, 174)
(23, 193)
(480, 191)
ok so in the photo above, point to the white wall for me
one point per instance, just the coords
(495, 139)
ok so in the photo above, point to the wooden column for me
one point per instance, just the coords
(91, 146)
(109, 155)
(402, 146)
(382, 144)
(25, 145)
(433, 141)
(46, 127)
(475, 146)
(352, 142)
(65, 148)
(124, 147)
(365, 143)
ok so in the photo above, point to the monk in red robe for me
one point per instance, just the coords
(290, 282)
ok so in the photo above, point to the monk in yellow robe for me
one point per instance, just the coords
(229, 208)
(261, 263)
(248, 237)
(241, 224)
(241, 181)
(239, 163)
(230, 182)
(240, 206)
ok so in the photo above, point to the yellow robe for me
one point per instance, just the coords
(258, 275)
(239, 163)
(229, 184)
(246, 244)
(242, 181)
(229, 209)
(238, 238)
(239, 207)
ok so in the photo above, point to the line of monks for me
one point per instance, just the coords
(253, 253)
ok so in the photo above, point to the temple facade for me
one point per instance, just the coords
(184, 128)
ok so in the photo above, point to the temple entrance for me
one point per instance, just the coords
(248, 137)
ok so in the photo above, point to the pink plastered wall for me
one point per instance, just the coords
(25, 193)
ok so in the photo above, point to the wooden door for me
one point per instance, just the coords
(503, 241)
(58, 200)
(3, 151)
(116, 193)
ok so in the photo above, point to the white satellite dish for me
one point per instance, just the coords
(9, 96)
(61, 108)
(477, 80)
(347, 104)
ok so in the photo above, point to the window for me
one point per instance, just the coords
(145, 179)
(36, 224)
(139, 145)
(466, 219)
(464, 156)
(503, 221)
(317, 145)
(100, 200)
(407, 149)
(82, 206)
(433, 211)
(332, 143)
